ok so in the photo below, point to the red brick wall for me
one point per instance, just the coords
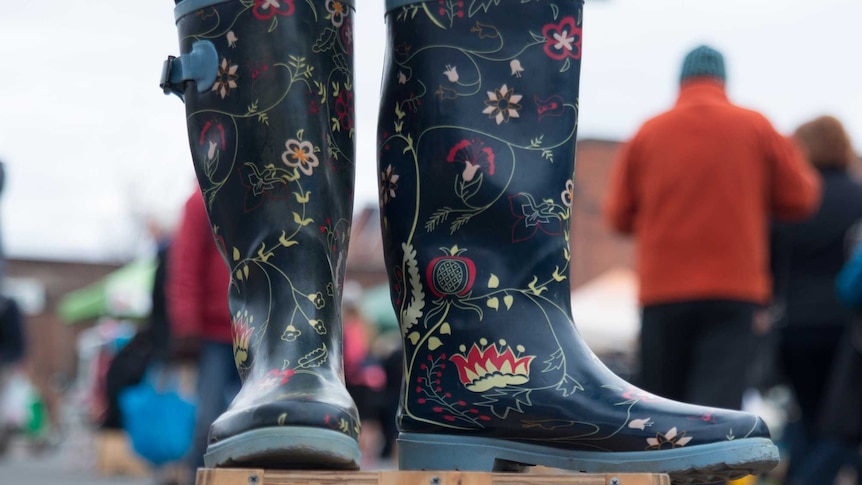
(595, 249)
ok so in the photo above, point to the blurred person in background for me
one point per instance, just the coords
(363, 374)
(151, 342)
(197, 303)
(697, 187)
(810, 254)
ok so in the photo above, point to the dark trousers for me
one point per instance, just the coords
(699, 351)
(218, 384)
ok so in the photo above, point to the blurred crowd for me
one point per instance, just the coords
(749, 260)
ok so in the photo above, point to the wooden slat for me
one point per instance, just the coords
(229, 476)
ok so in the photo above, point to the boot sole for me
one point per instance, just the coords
(288, 447)
(684, 465)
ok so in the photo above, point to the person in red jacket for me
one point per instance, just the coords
(698, 186)
(197, 298)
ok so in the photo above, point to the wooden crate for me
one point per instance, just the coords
(235, 476)
(114, 456)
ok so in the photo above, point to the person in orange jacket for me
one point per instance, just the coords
(697, 187)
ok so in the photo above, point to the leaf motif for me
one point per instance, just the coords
(434, 343)
(409, 144)
(555, 362)
(566, 65)
(325, 41)
(302, 198)
(536, 290)
(503, 400)
(508, 300)
(493, 303)
(557, 276)
(445, 329)
(261, 253)
(315, 358)
(285, 241)
(235, 254)
(483, 5)
(238, 275)
(493, 281)
(245, 271)
(414, 337)
(410, 316)
(299, 220)
(569, 386)
(281, 418)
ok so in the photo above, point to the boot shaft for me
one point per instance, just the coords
(272, 139)
(479, 118)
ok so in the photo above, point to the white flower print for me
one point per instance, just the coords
(388, 185)
(226, 79)
(451, 73)
(336, 9)
(641, 424)
(671, 439)
(502, 104)
(564, 41)
(515, 64)
(300, 154)
(568, 195)
(211, 151)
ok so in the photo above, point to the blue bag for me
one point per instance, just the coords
(160, 423)
(849, 281)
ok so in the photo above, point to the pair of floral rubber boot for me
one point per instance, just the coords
(476, 150)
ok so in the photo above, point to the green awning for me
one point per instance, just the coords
(125, 293)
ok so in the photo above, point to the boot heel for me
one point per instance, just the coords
(439, 452)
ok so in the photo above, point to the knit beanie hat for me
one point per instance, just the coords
(703, 61)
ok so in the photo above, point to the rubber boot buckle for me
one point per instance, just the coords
(200, 65)
(165, 83)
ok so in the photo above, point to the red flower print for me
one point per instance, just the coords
(562, 40)
(275, 378)
(212, 138)
(344, 109)
(261, 184)
(266, 9)
(532, 217)
(474, 155)
(242, 332)
(480, 370)
(553, 106)
(347, 35)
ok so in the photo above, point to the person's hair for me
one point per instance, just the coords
(825, 142)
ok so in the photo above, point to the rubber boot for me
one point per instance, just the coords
(268, 90)
(477, 146)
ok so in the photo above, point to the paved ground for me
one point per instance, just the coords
(52, 469)
(71, 461)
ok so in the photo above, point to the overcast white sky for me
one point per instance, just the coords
(91, 144)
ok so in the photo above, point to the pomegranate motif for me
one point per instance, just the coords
(452, 274)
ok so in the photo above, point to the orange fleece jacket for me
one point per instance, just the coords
(697, 186)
